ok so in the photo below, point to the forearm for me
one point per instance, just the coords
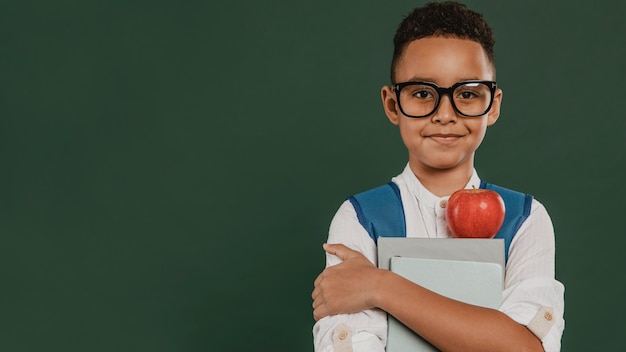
(365, 331)
(448, 324)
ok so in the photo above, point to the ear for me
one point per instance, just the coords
(494, 112)
(389, 104)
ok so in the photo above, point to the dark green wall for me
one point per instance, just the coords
(169, 168)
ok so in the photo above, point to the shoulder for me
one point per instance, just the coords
(538, 207)
(344, 226)
(539, 216)
(536, 235)
(345, 212)
(346, 229)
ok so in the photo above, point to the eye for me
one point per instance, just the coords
(467, 94)
(420, 92)
(472, 90)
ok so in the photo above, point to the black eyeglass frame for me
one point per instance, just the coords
(441, 91)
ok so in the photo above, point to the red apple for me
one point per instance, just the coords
(475, 213)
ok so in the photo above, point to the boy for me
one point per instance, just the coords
(442, 98)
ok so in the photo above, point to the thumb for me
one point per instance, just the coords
(341, 251)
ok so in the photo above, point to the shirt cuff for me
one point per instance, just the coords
(342, 338)
(541, 324)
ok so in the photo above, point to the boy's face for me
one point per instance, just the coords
(444, 139)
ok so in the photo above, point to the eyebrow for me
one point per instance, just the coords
(432, 80)
(420, 79)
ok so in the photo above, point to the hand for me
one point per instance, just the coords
(347, 287)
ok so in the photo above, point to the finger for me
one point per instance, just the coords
(318, 279)
(316, 291)
(341, 251)
(316, 315)
(320, 312)
(316, 303)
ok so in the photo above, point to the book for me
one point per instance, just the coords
(468, 271)
(469, 249)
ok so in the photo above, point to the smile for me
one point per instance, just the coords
(445, 138)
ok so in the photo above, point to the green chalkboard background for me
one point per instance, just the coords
(169, 169)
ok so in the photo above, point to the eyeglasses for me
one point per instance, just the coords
(468, 98)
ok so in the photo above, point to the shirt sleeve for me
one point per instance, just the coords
(365, 331)
(532, 296)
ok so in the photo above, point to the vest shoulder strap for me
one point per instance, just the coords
(517, 209)
(381, 213)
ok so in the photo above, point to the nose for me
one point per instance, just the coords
(445, 112)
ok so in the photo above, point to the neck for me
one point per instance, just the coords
(443, 182)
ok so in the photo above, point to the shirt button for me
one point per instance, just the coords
(443, 203)
(343, 335)
(548, 316)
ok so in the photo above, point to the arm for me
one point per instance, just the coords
(356, 284)
(531, 289)
(366, 329)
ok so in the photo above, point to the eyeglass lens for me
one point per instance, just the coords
(472, 99)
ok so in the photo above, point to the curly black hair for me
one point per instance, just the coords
(444, 19)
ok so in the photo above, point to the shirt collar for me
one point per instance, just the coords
(423, 194)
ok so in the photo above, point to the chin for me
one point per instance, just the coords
(446, 164)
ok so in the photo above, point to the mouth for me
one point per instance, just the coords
(444, 138)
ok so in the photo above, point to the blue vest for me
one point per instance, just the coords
(381, 213)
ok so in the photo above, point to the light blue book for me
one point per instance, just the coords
(476, 279)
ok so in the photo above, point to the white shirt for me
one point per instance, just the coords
(531, 296)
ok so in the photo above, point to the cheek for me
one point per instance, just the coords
(475, 125)
(479, 129)
(409, 131)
